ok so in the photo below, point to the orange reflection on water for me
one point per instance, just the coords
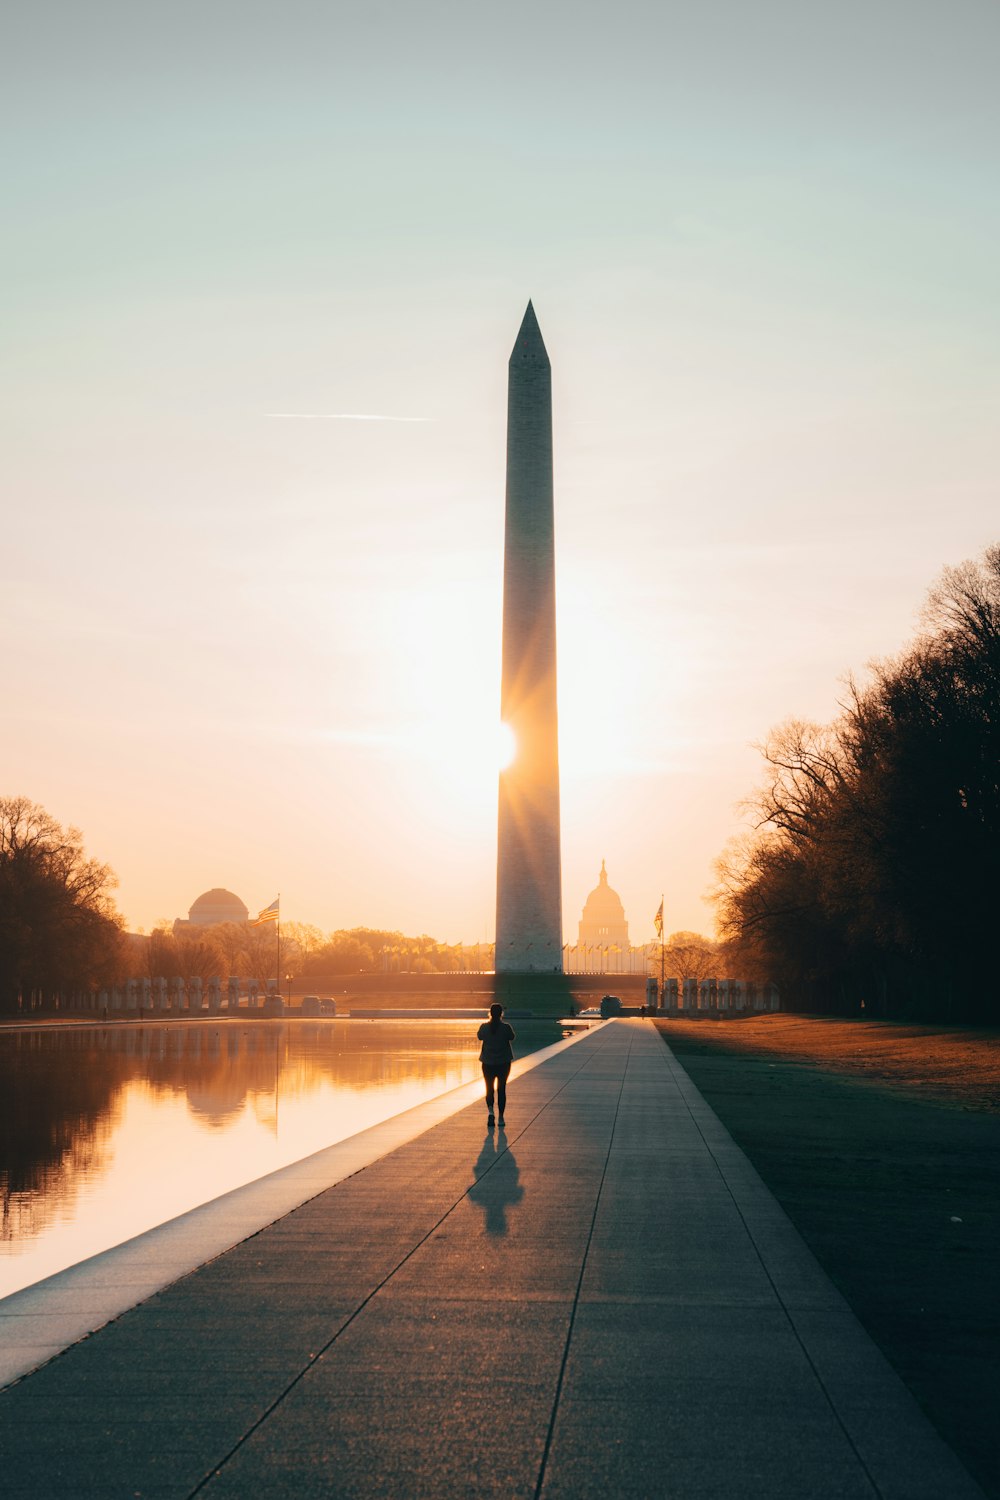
(109, 1131)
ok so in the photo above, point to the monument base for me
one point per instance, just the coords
(544, 995)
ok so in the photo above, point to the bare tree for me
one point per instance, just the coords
(872, 877)
(58, 924)
(689, 955)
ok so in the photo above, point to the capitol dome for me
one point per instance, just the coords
(603, 921)
(215, 906)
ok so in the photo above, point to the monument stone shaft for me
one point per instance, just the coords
(529, 873)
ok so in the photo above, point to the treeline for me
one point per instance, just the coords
(872, 881)
(59, 929)
(60, 932)
(306, 953)
(366, 950)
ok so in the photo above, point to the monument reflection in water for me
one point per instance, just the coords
(109, 1131)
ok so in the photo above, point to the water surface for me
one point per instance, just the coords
(108, 1131)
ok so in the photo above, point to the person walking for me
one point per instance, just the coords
(496, 1056)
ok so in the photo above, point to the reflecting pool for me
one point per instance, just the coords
(108, 1131)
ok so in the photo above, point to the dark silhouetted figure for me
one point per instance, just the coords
(497, 1187)
(496, 1056)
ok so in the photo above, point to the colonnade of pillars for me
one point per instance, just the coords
(720, 996)
(180, 996)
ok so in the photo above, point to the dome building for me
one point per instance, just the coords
(212, 907)
(603, 923)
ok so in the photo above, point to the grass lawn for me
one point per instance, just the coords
(882, 1143)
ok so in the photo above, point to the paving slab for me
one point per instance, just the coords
(602, 1300)
(53, 1314)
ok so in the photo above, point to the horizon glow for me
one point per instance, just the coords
(261, 287)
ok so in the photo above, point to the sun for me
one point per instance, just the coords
(506, 747)
(458, 755)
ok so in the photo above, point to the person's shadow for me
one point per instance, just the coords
(497, 1186)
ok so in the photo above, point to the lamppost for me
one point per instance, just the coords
(288, 988)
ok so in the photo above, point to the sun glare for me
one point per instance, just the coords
(457, 751)
(506, 747)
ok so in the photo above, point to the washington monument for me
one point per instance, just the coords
(529, 875)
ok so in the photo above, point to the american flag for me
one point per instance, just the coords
(269, 914)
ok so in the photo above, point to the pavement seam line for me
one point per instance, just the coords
(764, 1267)
(579, 1285)
(218, 1467)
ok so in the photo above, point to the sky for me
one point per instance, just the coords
(261, 269)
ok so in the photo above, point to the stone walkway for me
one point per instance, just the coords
(601, 1301)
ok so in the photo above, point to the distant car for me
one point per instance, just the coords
(611, 1005)
(274, 1005)
(592, 1013)
(317, 1005)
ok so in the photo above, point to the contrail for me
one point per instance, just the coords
(343, 416)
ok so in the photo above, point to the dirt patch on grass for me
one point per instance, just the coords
(882, 1144)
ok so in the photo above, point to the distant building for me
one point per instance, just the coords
(212, 907)
(603, 923)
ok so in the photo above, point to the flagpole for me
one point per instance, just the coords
(660, 1000)
(277, 930)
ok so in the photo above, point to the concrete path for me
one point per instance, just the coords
(603, 1300)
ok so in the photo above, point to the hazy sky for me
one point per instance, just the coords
(251, 641)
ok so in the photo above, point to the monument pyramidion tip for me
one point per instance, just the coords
(529, 345)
